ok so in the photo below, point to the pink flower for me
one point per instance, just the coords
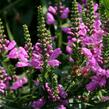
(54, 63)
(22, 53)
(55, 53)
(96, 81)
(66, 30)
(50, 19)
(95, 7)
(65, 13)
(69, 49)
(87, 52)
(79, 7)
(52, 10)
(11, 45)
(83, 29)
(61, 107)
(13, 54)
(36, 63)
(62, 92)
(91, 86)
(70, 59)
(22, 64)
(38, 104)
(19, 83)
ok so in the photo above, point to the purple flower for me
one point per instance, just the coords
(82, 29)
(13, 54)
(52, 10)
(11, 45)
(70, 59)
(36, 63)
(84, 1)
(62, 92)
(19, 53)
(55, 53)
(54, 63)
(38, 104)
(91, 86)
(22, 53)
(19, 83)
(87, 52)
(107, 73)
(65, 13)
(79, 7)
(95, 7)
(102, 81)
(69, 50)
(50, 19)
(95, 82)
(22, 64)
(36, 60)
(66, 30)
(37, 48)
(61, 107)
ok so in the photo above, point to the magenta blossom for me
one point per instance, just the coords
(50, 19)
(79, 7)
(52, 10)
(53, 62)
(10, 45)
(96, 82)
(69, 49)
(19, 53)
(61, 107)
(38, 104)
(65, 13)
(19, 83)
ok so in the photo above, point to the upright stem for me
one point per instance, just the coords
(59, 33)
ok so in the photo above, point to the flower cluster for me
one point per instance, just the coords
(68, 72)
(54, 11)
(36, 60)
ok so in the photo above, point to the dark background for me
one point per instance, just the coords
(15, 13)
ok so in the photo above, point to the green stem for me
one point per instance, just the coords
(58, 32)
(9, 31)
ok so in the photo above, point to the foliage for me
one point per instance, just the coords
(66, 66)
